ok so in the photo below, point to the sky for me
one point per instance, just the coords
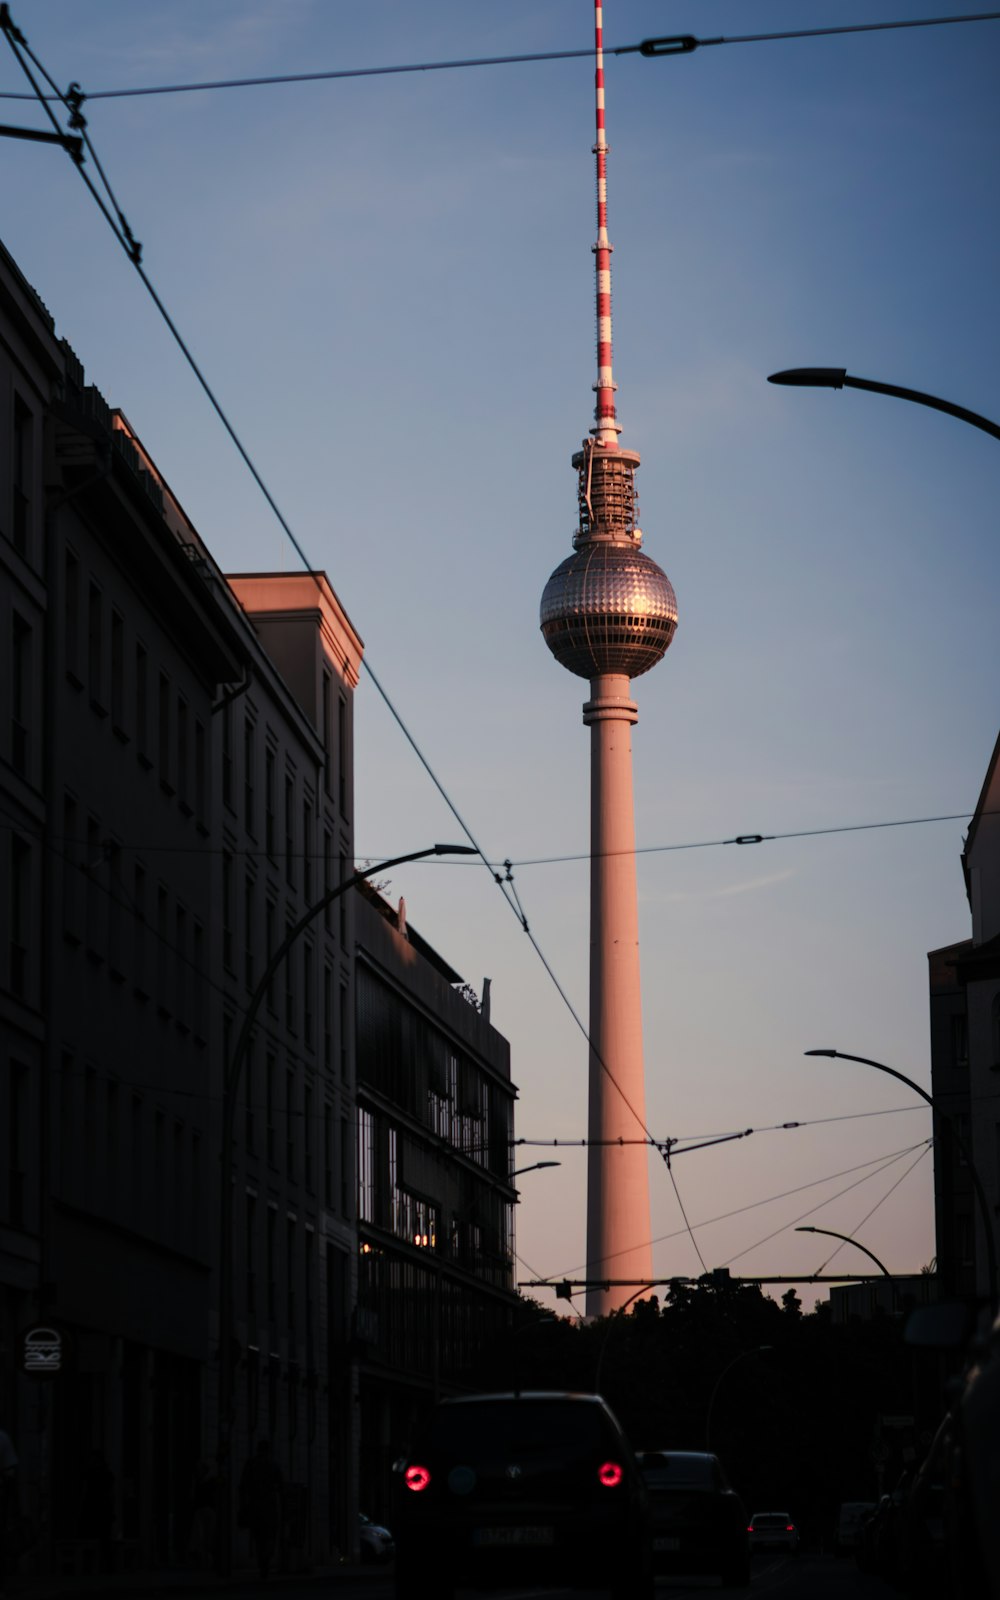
(389, 283)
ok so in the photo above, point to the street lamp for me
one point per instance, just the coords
(743, 1355)
(233, 1074)
(848, 1240)
(960, 1145)
(536, 1166)
(837, 378)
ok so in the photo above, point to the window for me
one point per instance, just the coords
(71, 615)
(227, 911)
(328, 1153)
(270, 916)
(289, 968)
(20, 903)
(249, 756)
(17, 1152)
(249, 1110)
(95, 646)
(366, 1166)
(113, 859)
(290, 1244)
(342, 754)
(139, 928)
(118, 672)
(182, 752)
(327, 732)
(307, 864)
(269, 802)
(307, 1137)
(163, 708)
(270, 1084)
(290, 830)
(200, 985)
(180, 965)
(960, 1040)
(142, 703)
(20, 693)
(93, 868)
(22, 476)
(289, 1124)
(200, 794)
(327, 1017)
(227, 754)
(272, 1253)
(307, 992)
(162, 935)
(251, 1247)
(249, 891)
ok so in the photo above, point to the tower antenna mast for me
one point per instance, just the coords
(606, 426)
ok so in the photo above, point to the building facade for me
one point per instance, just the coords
(964, 980)
(435, 1197)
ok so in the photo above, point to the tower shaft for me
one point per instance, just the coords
(618, 1230)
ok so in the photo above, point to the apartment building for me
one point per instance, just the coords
(435, 1196)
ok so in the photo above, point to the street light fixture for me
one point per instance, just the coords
(536, 1166)
(849, 1240)
(234, 1072)
(837, 378)
(960, 1145)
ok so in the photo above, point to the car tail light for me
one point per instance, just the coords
(790, 1527)
(610, 1474)
(417, 1478)
(750, 1528)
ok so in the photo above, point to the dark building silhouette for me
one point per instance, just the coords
(964, 981)
(176, 791)
(435, 1197)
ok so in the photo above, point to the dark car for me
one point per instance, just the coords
(537, 1488)
(699, 1521)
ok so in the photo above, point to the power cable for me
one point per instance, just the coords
(829, 1199)
(676, 44)
(869, 1214)
(755, 1205)
(263, 854)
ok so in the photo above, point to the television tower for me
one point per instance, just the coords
(608, 614)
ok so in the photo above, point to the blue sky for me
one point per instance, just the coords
(389, 283)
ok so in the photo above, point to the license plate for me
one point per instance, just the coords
(503, 1537)
(666, 1544)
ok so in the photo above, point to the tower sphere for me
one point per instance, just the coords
(608, 608)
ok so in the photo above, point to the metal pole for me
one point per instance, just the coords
(231, 1088)
(960, 1145)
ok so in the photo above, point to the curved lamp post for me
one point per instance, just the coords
(234, 1072)
(743, 1355)
(536, 1166)
(837, 378)
(848, 1240)
(960, 1145)
(646, 1287)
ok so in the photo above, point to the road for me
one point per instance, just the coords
(805, 1577)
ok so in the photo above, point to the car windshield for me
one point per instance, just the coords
(679, 1472)
(523, 1427)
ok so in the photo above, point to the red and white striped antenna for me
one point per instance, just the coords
(606, 426)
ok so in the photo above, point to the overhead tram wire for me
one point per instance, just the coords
(201, 848)
(869, 1214)
(133, 250)
(881, 1163)
(926, 1145)
(675, 44)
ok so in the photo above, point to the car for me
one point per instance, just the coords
(536, 1488)
(851, 1518)
(376, 1543)
(773, 1530)
(699, 1521)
